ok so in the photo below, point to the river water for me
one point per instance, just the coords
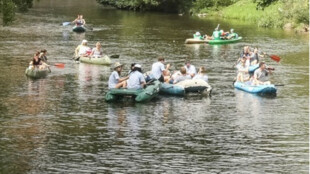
(61, 124)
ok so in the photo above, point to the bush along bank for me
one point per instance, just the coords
(286, 14)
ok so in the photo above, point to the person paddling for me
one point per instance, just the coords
(114, 80)
(216, 34)
(81, 50)
(79, 21)
(36, 62)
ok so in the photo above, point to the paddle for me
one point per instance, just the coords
(218, 25)
(114, 56)
(59, 65)
(66, 23)
(274, 57)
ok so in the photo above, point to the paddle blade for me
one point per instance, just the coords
(275, 58)
(66, 23)
(59, 65)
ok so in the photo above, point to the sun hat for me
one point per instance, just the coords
(232, 30)
(84, 41)
(137, 66)
(117, 64)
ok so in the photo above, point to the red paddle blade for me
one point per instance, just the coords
(275, 58)
(59, 65)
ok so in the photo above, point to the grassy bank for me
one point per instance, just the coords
(291, 14)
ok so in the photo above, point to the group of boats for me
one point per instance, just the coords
(154, 88)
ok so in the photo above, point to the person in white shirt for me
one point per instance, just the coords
(182, 77)
(114, 80)
(201, 74)
(159, 71)
(97, 51)
(190, 69)
(136, 79)
(82, 49)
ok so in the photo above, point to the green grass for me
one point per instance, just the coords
(246, 10)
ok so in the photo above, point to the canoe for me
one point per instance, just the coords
(223, 41)
(105, 60)
(186, 86)
(260, 89)
(36, 73)
(195, 41)
(139, 95)
(79, 29)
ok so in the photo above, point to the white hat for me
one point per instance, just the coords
(84, 41)
(137, 66)
(197, 33)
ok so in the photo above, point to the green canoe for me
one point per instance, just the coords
(222, 41)
(36, 73)
(139, 95)
(105, 60)
(79, 29)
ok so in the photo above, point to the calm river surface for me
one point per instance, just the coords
(61, 124)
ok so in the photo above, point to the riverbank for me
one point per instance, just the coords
(288, 15)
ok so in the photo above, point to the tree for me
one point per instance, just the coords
(9, 7)
(261, 4)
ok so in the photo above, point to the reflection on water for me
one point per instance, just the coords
(61, 124)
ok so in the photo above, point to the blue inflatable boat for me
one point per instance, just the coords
(172, 89)
(260, 89)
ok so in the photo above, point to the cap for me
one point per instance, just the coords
(137, 66)
(197, 33)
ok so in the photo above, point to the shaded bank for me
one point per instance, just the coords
(287, 14)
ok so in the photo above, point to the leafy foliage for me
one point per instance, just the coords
(261, 4)
(9, 7)
(8, 11)
(154, 5)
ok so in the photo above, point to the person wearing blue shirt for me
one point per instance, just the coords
(136, 79)
(114, 80)
(159, 71)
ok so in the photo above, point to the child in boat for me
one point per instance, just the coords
(97, 51)
(114, 80)
(201, 74)
(136, 79)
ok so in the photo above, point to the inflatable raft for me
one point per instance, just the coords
(139, 95)
(224, 41)
(37, 73)
(186, 86)
(105, 60)
(260, 89)
(79, 29)
(195, 41)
